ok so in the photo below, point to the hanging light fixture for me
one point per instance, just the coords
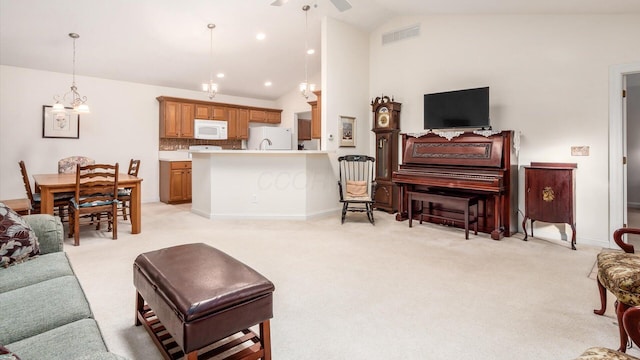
(211, 88)
(77, 101)
(305, 88)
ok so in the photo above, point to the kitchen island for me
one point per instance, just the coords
(259, 184)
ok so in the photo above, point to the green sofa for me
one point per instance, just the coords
(44, 313)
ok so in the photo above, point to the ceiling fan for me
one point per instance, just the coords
(341, 5)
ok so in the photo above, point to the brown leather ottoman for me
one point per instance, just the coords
(196, 296)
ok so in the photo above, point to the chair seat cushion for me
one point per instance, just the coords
(619, 272)
(124, 192)
(91, 204)
(600, 353)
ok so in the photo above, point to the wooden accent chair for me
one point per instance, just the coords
(124, 195)
(356, 185)
(631, 323)
(619, 272)
(68, 164)
(60, 200)
(96, 194)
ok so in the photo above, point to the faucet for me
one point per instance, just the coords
(261, 142)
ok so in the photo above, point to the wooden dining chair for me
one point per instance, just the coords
(96, 195)
(60, 200)
(124, 195)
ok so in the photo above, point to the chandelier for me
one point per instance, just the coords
(211, 88)
(305, 88)
(77, 101)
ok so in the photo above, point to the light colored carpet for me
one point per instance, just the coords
(357, 291)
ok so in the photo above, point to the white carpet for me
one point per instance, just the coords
(357, 291)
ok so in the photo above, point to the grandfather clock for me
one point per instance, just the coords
(386, 126)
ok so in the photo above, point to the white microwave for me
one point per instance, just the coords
(210, 129)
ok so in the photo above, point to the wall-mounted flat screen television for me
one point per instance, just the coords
(468, 108)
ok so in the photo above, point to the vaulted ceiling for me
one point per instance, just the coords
(167, 42)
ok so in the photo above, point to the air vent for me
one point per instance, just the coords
(393, 36)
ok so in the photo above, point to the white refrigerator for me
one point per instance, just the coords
(269, 138)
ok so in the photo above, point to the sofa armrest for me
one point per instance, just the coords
(48, 229)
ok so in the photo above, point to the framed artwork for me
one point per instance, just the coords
(65, 125)
(347, 131)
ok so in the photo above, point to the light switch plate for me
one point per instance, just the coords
(579, 151)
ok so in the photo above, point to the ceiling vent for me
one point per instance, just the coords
(393, 36)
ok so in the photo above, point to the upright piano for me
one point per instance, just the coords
(483, 163)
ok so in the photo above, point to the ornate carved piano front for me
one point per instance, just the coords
(483, 163)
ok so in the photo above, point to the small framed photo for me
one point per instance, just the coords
(347, 131)
(64, 125)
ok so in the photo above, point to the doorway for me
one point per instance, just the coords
(619, 131)
(633, 149)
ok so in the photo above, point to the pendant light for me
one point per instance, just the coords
(77, 101)
(305, 88)
(210, 88)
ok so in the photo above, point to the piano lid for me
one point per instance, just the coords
(467, 149)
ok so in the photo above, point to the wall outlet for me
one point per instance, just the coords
(579, 151)
(254, 199)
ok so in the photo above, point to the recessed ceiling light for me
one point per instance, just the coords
(220, 75)
(267, 83)
(311, 51)
(261, 36)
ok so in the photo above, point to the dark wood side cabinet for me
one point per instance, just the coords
(386, 126)
(550, 195)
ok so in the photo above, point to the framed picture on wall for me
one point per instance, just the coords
(65, 125)
(347, 131)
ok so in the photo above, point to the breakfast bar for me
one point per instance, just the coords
(258, 184)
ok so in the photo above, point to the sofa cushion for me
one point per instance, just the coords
(75, 340)
(48, 229)
(45, 267)
(6, 354)
(18, 241)
(40, 307)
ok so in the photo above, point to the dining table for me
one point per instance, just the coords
(51, 184)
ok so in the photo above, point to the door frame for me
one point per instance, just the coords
(617, 137)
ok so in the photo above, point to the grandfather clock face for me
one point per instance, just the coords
(383, 119)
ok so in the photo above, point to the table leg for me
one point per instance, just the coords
(46, 202)
(136, 225)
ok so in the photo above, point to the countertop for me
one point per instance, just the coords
(261, 152)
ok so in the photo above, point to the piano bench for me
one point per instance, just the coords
(445, 199)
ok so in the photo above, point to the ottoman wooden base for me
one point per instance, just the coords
(243, 345)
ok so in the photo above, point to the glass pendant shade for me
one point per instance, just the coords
(210, 88)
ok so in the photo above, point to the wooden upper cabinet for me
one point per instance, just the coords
(177, 116)
(265, 116)
(176, 119)
(210, 112)
(242, 127)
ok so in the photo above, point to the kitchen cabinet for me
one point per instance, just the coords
(176, 119)
(211, 112)
(265, 116)
(175, 181)
(316, 117)
(304, 129)
(238, 124)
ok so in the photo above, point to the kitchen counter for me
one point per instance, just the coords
(262, 152)
(263, 184)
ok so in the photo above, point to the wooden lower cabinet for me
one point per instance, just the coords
(175, 181)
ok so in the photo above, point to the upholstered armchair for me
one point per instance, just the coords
(619, 272)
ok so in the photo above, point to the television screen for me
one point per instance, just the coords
(467, 108)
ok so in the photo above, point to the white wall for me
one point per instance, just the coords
(549, 80)
(345, 83)
(123, 124)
